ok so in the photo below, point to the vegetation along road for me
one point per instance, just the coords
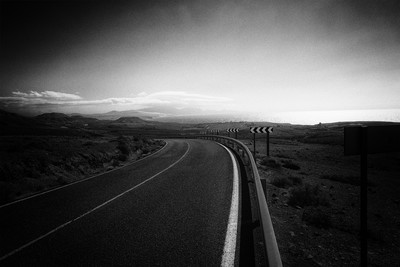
(172, 208)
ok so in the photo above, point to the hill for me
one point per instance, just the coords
(114, 115)
(131, 120)
(8, 119)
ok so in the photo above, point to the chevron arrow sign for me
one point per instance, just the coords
(232, 130)
(261, 129)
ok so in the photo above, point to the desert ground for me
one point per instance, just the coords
(313, 197)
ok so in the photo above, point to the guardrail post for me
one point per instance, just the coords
(364, 196)
(254, 146)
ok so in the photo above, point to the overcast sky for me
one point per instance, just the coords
(247, 56)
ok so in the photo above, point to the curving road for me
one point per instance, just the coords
(174, 208)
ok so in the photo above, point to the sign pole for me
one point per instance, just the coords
(364, 197)
(268, 144)
(235, 135)
(254, 146)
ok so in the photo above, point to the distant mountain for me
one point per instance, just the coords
(61, 119)
(210, 118)
(50, 118)
(166, 110)
(131, 120)
(151, 113)
(114, 115)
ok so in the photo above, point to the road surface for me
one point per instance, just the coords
(174, 208)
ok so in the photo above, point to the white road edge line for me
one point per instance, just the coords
(90, 211)
(80, 181)
(228, 257)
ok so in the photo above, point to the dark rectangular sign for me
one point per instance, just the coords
(380, 139)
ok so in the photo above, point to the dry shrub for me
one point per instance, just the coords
(317, 217)
(296, 180)
(268, 162)
(353, 180)
(288, 164)
(307, 195)
(281, 182)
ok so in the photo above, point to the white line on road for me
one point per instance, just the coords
(96, 208)
(228, 257)
(80, 181)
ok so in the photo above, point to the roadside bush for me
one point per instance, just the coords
(307, 195)
(317, 217)
(288, 164)
(123, 147)
(268, 162)
(296, 180)
(115, 163)
(281, 155)
(88, 143)
(353, 180)
(281, 182)
(122, 157)
(7, 192)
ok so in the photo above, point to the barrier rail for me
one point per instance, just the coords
(271, 246)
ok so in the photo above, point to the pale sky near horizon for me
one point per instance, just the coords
(243, 56)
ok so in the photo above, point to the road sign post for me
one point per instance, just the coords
(232, 130)
(266, 130)
(363, 140)
(364, 197)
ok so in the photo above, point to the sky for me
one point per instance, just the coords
(258, 57)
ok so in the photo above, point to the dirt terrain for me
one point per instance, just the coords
(313, 197)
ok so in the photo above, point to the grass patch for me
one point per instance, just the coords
(288, 164)
(307, 195)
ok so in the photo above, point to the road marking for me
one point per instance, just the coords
(94, 209)
(228, 257)
(80, 181)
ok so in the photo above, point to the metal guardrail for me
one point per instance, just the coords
(271, 246)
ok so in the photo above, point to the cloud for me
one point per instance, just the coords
(51, 95)
(142, 94)
(182, 97)
(51, 101)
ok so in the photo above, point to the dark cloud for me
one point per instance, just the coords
(357, 14)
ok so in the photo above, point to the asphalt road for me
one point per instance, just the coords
(172, 208)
